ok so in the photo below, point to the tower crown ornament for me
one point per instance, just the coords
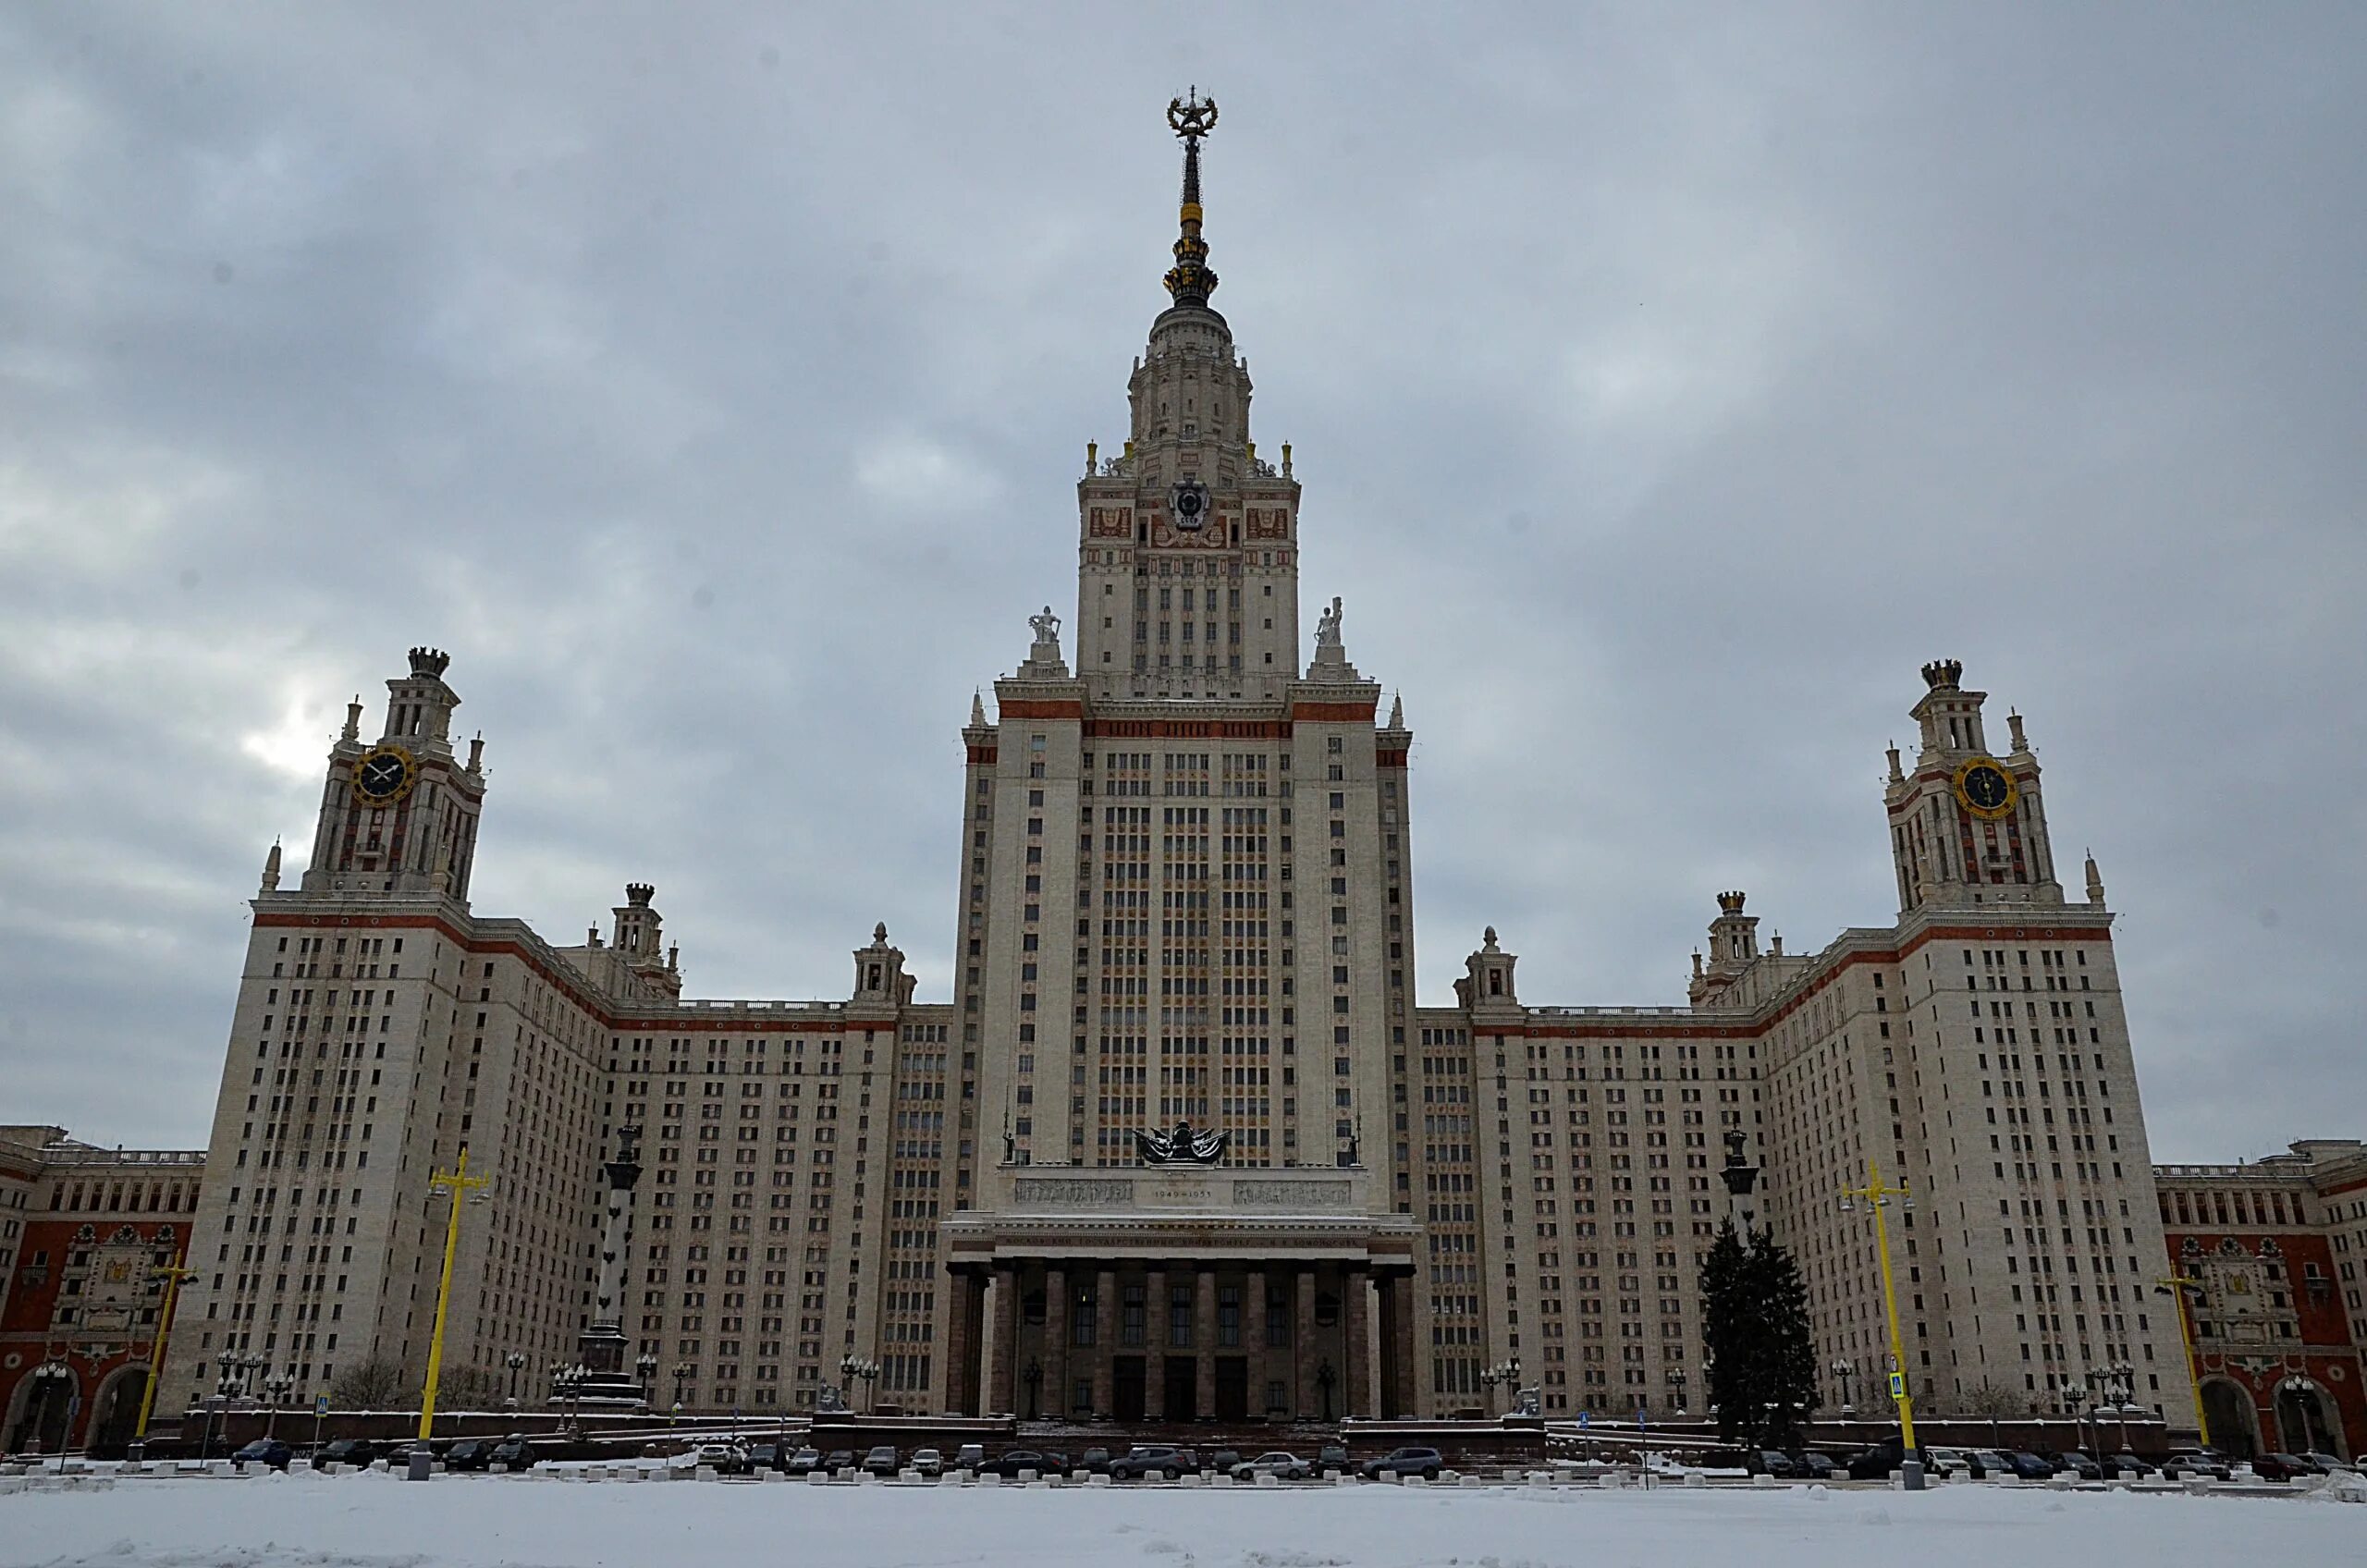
(1944, 675)
(1189, 280)
(430, 661)
(638, 894)
(1731, 902)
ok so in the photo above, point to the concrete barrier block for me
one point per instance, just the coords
(632, 1472)
(1026, 1477)
(2062, 1483)
(224, 1467)
(380, 1466)
(1340, 1480)
(1191, 1479)
(1392, 1478)
(1219, 1480)
(988, 1478)
(818, 1477)
(1267, 1479)
(1471, 1480)
(1417, 1481)
(1695, 1478)
(1091, 1480)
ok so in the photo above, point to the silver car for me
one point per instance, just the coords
(1281, 1466)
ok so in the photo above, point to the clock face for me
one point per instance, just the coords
(1190, 499)
(1986, 790)
(383, 775)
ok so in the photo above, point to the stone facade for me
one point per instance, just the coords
(1184, 892)
(86, 1236)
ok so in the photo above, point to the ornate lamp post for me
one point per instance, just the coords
(1507, 1372)
(853, 1367)
(1843, 1370)
(45, 1378)
(1676, 1388)
(646, 1365)
(1324, 1378)
(2074, 1405)
(2124, 1394)
(279, 1385)
(1878, 1194)
(516, 1362)
(682, 1374)
(1033, 1375)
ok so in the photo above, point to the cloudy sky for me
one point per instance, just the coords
(712, 379)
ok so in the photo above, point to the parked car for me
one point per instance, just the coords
(2074, 1463)
(515, 1452)
(1773, 1461)
(1949, 1463)
(767, 1454)
(1876, 1461)
(1222, 1461)
(1154, 1459)
(469, 1454)
(1011, 1461)
(805, 1462)
(1095, 1462)
(2187, 1463)
(1280, 1465)
(2283, 1466)
(929, 1462)
(2025, 1465)
(839, 1459)
(1332, 1457)
(264, 1451)
(1422, 1462)
(969, 1456)
(881, 1460)
(2330, 1463)
(1817, 1467)
(2126, 1467)
(347, 1451)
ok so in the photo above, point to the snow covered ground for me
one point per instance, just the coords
(372, 1520)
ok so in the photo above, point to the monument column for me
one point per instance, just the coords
(1303, 1350)
(1002, 1311)
(1054, 1406)
(602, 1345)
(1155, 1344)
(1356, 1317)
(1204, 1341)
(1105, 1340)
(1253, 1339)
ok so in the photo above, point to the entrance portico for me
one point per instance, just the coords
(1179, 1292)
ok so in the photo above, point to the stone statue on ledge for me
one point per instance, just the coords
(1183, 1147)
(829, 1401)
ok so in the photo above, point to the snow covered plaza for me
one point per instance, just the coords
(369, 1520)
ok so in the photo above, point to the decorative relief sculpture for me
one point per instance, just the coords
(1290, 1195)
(1183, 1147)
(1069, 1190)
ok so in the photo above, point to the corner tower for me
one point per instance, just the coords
(1187, 554)
(399, 815)
(1966, 828)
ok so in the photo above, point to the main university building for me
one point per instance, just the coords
(1185, 894)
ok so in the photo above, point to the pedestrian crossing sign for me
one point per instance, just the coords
(1898, 1385)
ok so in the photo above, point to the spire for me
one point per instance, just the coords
(271, 868)
(977, 710)
(2095, 882)
(1189, 280)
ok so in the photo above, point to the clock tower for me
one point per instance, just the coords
(1967, 826)
(399, 815)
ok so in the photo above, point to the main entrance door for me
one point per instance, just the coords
(1126, 1387)
(1233, 1388)
(1182, 1388)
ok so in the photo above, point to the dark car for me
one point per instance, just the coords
(1774, 1462)
(264, 1451)
(469, 1454)
(839, 1459)
(1154, 1459)
(2018, 1463)
(1011, 1461)
(1095, 1462)
(1332, 1457)
(1875, 1462)
(2077, 1465)
(2283, 1466)
(1819, 1467)
(347, 1451)
(1222, 1461)
(767, 1454)
(515, 1452)
(2126, 1467)
(881, 1460)
(1422, 1462)
(969, 1456)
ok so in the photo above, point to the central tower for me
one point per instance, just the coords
(1187, 555)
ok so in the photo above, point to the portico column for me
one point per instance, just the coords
(1391, 1370)
(1357, 1324)
(1304, 1356)
(1105, 1340)
(1253, 1339)
(1155, 1344)
(1054, 1391)
(961, 1339)
(1003, 1310)
(1409, 1370)
(1204, 1341)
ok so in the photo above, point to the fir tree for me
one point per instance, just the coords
(1726, 1330)
(1762, 1371)
(1786, 1349)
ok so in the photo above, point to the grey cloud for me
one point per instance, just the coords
(712, 385)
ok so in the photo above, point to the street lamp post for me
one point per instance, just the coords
(1676, 1382)
(646, 1365)
(516, 1362)
(172, 1278)
(682, 1374)
(1843, 1370)
(1324, 1378)
(1033, 1375)
(1507, 1372)
(1878, 1194)
(2124, 1393)
(851, 1367)
(45, 1378)
(279, 1385)
(2074, 1405)
(458, 1185)
(2178, 1286)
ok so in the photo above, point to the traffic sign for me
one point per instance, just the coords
(1584, 1418)
(320, 1405)
(1898, 1385)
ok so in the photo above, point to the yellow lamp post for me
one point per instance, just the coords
(460, 1186)
(1878, 1194)
(2175, 1287)
(173, 1277)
